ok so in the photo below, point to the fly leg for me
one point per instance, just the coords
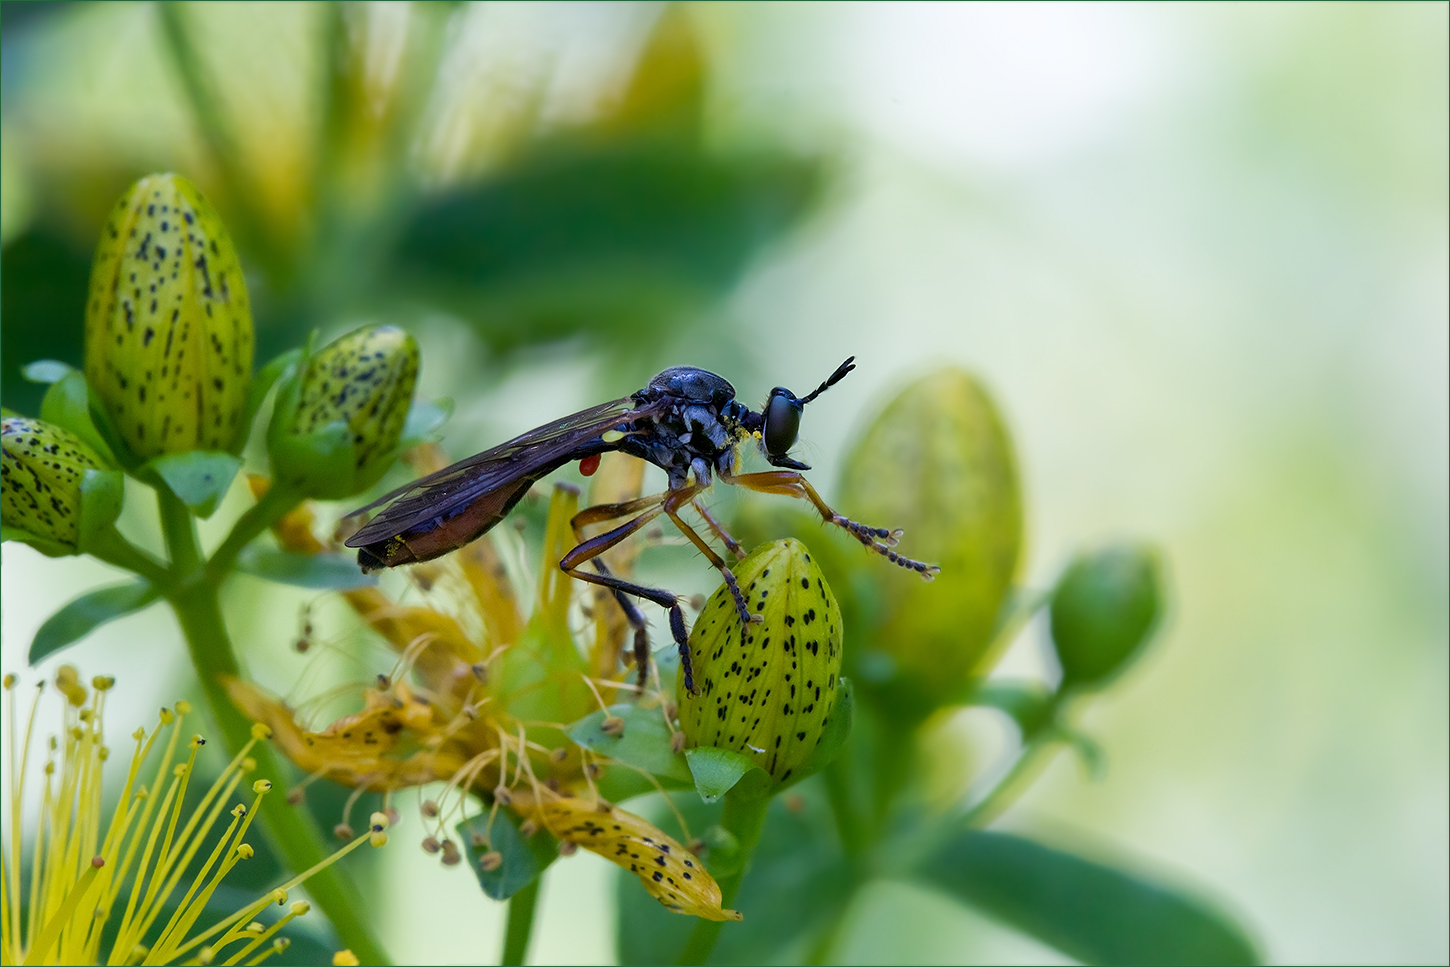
(672, 506)
(790, 483)
(632, 614)
(590, 549)
(730, 543)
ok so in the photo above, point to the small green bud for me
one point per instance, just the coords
(168, 325)
(1103, 611)
(43, 478)
(938, 463)
(766, 690)
(336, 428)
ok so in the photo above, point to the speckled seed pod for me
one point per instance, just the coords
(766, 690)
(168, 324)
(40, 479)
(363, 382)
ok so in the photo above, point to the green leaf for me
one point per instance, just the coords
(523, 859)
(1094, 913)
(46, 371)
(67, 405)
(323, 572)
(102, 493)
(423, 420)
(200, 478)
(645, 742)
(88, 612)
(718, 771)
(599, 235)
(797, 886)
(838, 730)
(262, 384)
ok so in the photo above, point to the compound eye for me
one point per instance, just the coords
(782, 422)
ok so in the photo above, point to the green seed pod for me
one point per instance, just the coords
(937, 463)
(336, 428)
(42, 483)
(766, 690)
(168, 325)
(1104, 609)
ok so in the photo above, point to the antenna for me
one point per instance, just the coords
(836, 377)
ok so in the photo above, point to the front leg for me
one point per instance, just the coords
(790, 483)
(592, 548)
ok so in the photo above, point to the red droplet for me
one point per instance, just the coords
(588, 465)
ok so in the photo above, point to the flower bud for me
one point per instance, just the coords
(168, 325)
(937, 463)
(1103, 611)
(337, 425)
(42, 474)
(766, 690)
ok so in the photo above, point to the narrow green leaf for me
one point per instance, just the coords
(88, 612)
(644, 742)
(838, 730)
(423, 419)
(1028, 703)
(323, 572)
(261, 385)
(522, 859)
(67, 405)
(1094, 913)
(199, 478)
(718, 771)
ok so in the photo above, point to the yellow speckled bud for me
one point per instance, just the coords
(168, 325)
(337, 427)
(41, 474)
(766, 690)
(938, 463)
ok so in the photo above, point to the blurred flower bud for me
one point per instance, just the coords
(937, 463)
(1103, 611)
(336, 425)
(168, 325)
(43, 484)
(766, 690)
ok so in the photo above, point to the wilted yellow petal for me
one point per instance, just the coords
(668, 870)
(356, 749)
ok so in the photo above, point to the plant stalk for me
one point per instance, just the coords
(744, 819)
(273, 506)
(520, 924)
(293, 832)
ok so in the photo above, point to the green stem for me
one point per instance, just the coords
(111, 547)
(273, 506)
(1017, 780)
(176, 40)
(292, 831)
(521, 924)
(743, 818)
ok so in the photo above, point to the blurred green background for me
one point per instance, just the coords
(1198, 252)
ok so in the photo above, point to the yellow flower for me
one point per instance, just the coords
(168, 325)
(488, 707)
(90, 874)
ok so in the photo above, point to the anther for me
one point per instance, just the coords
(490, 861)
(567, 848)
(478, 840)
(384, 683)
(296, 795)
(501, 795)
(528, 828)
(558, 755)
(430, 845)
(430, 808)
(613, 725)
(677, 742)
(343, 832)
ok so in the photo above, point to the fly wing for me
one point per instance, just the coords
(530, 455)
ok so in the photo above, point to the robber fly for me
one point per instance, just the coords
(687, 421)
